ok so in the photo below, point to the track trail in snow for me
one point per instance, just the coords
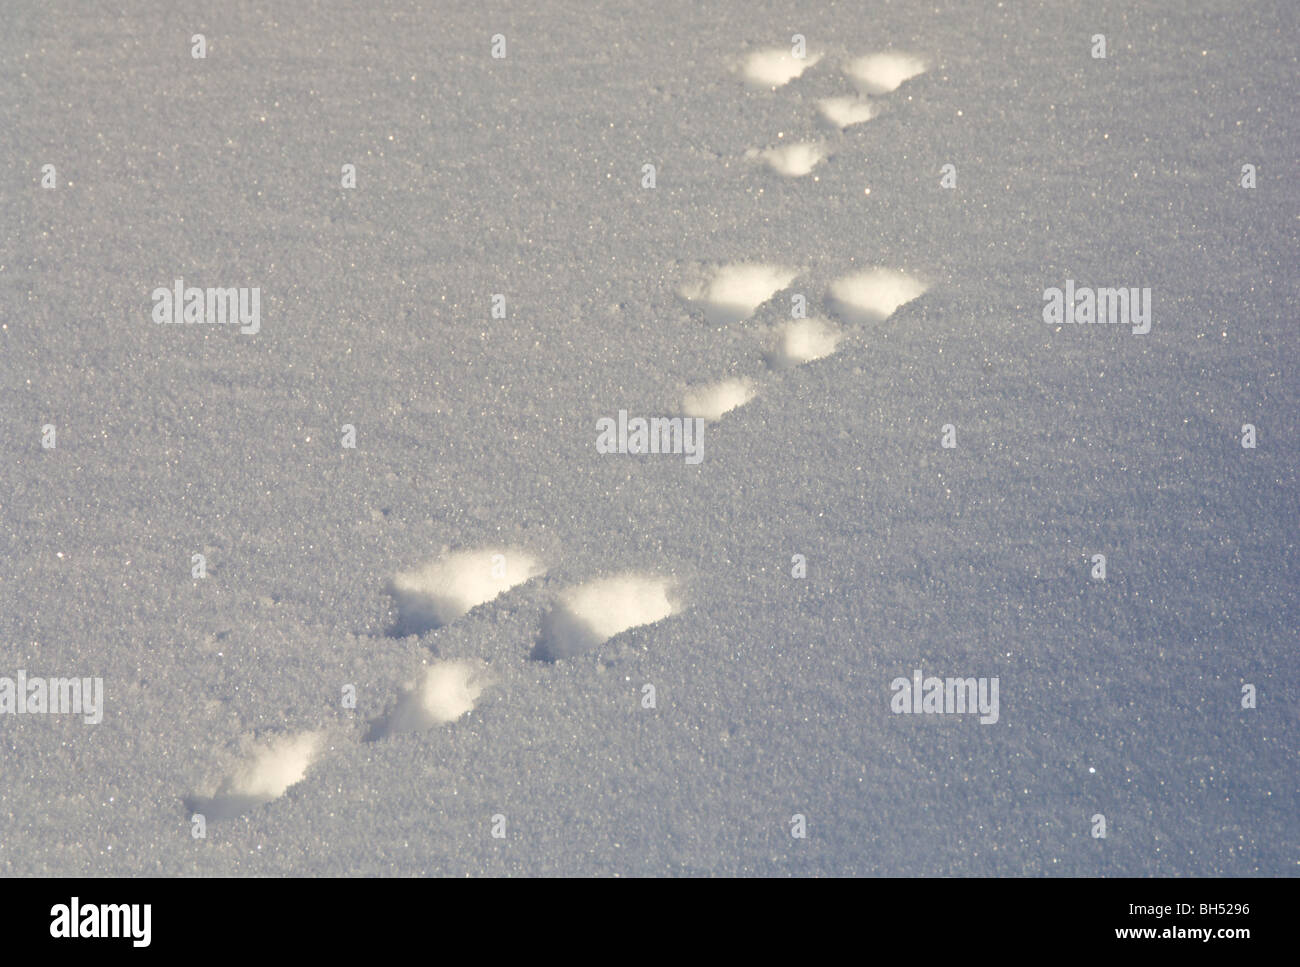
(583, 617)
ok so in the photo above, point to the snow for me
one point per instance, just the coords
(873, 295)
(474, 433)
(805, 340)
(712, 401)
(444, 589)
(733, 292)
(795, 160)
(590, 614)
(846, 110)
(884, 72)
(447, 691)
(776, 66)
(269, 769)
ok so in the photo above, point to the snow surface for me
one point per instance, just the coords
(884, 72)
(873, 295)
(795, 160)
(731, 293)
(522, 177)
(711, 401)
(447, 691)
(803, 341)
(846, 110)
(447, 588)
(588, 615)
(776, 66)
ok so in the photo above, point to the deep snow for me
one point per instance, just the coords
(523, 177)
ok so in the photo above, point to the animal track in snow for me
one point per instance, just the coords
(733, 292)
(775, 66)
(847, 110)
(884, 72)
(589, 614)
(802, 341)
(585, 616)
(446, 691)
(713, 400)
(448, 587)
(873, 295)
(270, 768)
(795, 160)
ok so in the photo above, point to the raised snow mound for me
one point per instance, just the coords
(733, 292)
(448, 587)
(775, 66)
(873, 295)
(589, 614)
(884, 72)
(714, 400)
(265, 773)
